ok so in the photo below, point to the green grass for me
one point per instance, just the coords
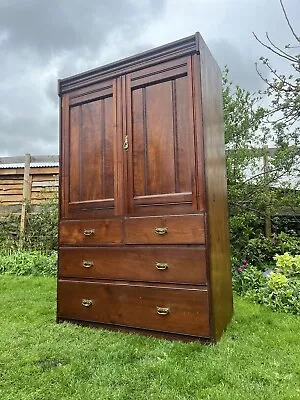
(258, 357)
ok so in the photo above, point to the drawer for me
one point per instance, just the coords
(89, 232)
(164, 309)
(168, 264)
(181, 229)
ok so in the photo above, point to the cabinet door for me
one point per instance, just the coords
(164, 175)
(88, 163)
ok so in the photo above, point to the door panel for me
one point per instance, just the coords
(161, 140)
(89, 168)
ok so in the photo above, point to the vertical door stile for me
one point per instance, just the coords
(175, 136)
(118, 156)
(194, 137)
(65, 179)
(198, 124)
(129, 153)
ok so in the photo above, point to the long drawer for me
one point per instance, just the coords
(153, 264)
(90, 232)
(176, 229)
(164, 309)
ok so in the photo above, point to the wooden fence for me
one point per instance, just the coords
(27, 180)
(34, 179)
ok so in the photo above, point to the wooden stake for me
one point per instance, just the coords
(268, 229)
(26, 198)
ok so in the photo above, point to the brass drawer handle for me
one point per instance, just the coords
(162, 310)
(161, 266)
(87, 264)
(89, 232)
(87, 302)
(161, 231)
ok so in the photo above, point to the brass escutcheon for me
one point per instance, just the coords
(126, 144)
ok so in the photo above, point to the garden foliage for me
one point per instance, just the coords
(32, 262)
(278, 289)
(41, 229)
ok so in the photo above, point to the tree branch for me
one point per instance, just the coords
(276, 47)
(274, 51)
(288, 21)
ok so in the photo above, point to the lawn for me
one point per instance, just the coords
(258, 357)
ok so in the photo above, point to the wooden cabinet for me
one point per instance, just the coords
(143, 229)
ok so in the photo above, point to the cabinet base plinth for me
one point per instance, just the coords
(139, 331)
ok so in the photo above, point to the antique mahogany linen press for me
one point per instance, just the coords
(143, 228)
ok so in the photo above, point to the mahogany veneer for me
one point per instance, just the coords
(143, 229)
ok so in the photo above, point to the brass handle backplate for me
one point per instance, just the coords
(161, 266)
(162, 310)
(161, 231)
(87, 264)
(89, 232)
(126, 144)
(87, 302)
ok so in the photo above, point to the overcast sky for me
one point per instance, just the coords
(43, 40)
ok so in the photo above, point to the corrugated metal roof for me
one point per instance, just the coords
(35, 161)
(32, 165)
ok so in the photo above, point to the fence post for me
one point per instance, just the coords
(268, 229)
(26, 197)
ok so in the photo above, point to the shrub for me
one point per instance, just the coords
(274, 290)
(245, 279)
(9, 232)
(277, 281)
(29, 263)
(243, 228)
(282, 298)
(288, 264)
(41, 229)
(260, 251)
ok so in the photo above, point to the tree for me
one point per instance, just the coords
(243, 118)
(283, 115)
(252, 193)
(282, 89)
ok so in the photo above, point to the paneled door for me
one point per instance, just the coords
(89, 168)
(162, 140)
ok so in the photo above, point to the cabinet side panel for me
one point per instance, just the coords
(216, 191)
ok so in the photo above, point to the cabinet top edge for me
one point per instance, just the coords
(181, 47)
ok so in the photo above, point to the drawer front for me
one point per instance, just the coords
(90, 232)
(181, 229)
(154, 264)
(162, 309)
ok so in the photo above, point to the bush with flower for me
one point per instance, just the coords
(278, 289)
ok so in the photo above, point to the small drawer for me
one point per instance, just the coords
(89, 232)
(165, 309)
(177, 229)
(151, 264)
